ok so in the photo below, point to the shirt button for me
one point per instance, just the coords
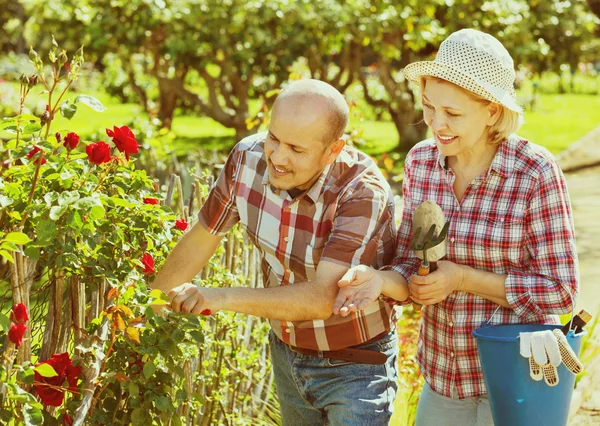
(502, 220)
(452, 354)
(452, 239)
(451, 324)
(286, 239)
(287, 330)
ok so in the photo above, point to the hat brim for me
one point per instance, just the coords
(416, 70)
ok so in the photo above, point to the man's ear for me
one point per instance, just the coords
(334, 150)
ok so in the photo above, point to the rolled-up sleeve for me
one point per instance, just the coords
(549, 283)
(219, 213)
(363, 218)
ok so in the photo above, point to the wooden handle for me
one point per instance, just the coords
(424, 269)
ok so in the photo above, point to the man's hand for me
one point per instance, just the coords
(190, 298)
(359, 287)
(435, 287)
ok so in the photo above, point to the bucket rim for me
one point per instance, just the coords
(478, 332)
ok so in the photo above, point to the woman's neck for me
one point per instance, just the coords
(468, 165)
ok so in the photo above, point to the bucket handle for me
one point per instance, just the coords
(572, 309)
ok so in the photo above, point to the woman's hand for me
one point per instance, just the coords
(435, 287)
(359, 287)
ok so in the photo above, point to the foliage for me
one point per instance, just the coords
(237, 51)
(85, 227)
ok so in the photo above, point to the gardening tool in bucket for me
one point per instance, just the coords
(517, 394)
(428, 240)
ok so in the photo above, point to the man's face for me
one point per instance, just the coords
(295, 150)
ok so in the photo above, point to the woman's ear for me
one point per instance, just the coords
(494, 113)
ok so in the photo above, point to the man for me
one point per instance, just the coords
(313, 207)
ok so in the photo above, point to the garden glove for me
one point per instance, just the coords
(545, 351)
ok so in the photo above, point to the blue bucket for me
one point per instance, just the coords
(515, 398)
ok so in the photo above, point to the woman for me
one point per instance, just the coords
(511, 255)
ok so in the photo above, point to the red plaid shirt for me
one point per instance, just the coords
(346, 217)
(515, 219)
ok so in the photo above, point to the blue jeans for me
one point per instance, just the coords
(438, 410)
(323, 391)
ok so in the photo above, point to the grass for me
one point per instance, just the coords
(560, 120)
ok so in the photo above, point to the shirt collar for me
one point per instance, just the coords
(314, 192)
(503, 162)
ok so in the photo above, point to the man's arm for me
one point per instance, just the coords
(295, 302)
(188, 257)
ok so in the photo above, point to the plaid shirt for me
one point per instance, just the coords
(515, 219)
(346, 217)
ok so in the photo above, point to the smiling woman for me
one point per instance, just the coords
(510, 246)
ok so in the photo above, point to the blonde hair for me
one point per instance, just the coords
(508, 121)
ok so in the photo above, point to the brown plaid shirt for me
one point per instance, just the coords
(346, 217)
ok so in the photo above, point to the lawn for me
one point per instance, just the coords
(556, 122)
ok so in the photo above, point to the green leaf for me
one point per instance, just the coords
(87, 203)
(134, 389)
(68, 110)
(46, 370)
(118, 202)
(15, 215)
(68, 197)
(32, 252)
(4, 323)
(32, 416)
(7, 122)
(46, 230)
(7, 245)
(197, 335)
(75, 220)
(149, 369)
(27, 376)
(50, 197)
(162, 403)
(57, 211)
(90, 101)
(17, 238)
(97, 212)
(32, 128)
(157, 294)
(7, 256)
(5, 201)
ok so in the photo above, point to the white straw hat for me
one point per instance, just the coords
(475, 61)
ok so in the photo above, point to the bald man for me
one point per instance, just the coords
(314, 207)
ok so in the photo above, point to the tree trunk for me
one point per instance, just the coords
(167, 102)
(241, 132)
(411, 129)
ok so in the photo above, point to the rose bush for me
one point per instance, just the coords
(83, 232)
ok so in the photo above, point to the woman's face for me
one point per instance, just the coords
(457, 120)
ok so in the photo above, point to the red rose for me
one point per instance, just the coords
(71, 140)
(51, 389)
(181, 224)
(16, 333)
(148, 200)
(148, 263)
(67, 420)
(135, 365)
(19, 313)
(98, 152)
(124, 140)
(33, 152)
